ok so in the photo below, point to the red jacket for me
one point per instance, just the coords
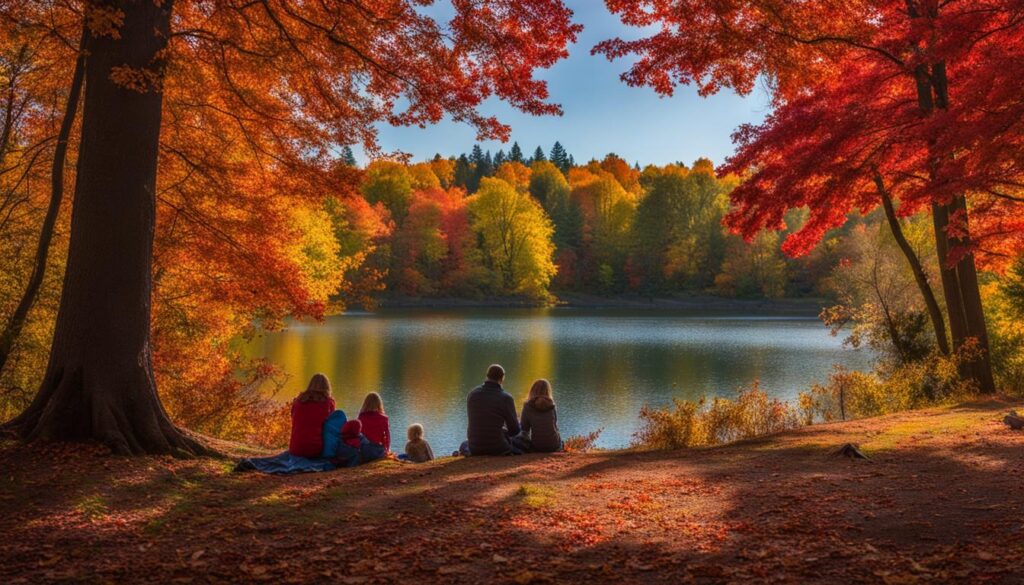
(308, 427)
(376, 428)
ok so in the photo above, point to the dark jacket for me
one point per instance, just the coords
(540, 423)
(492, 420)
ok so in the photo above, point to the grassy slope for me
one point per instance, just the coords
(940, 500)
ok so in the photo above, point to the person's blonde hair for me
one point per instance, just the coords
(415, 432)
(540, 388)
(372, 403)
(318, 390)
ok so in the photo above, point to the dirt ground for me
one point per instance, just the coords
(939, 501)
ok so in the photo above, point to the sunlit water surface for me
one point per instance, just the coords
(604, 365)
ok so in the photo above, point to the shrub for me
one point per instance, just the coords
(711, 422)
(847, 395)
(581, 443)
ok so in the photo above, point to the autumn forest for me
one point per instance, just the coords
(178, 178)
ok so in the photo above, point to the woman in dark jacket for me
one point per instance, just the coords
(539, 420)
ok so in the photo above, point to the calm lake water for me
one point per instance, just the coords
(604, 364)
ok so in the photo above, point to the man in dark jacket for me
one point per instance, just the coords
(492, 416)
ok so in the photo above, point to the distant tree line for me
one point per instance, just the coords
(505, 224)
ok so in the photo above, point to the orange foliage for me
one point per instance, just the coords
(256, 222)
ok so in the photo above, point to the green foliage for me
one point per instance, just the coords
(549, 187)
(463, 175)
(879, 303)
(538, 155)
(1012, 288)
(347, 157)
(483, 166)
(678, 240)
(1004, 309)
(608, 212)
(515, 154)
(714, 421)
(559, 157)
(753, 269)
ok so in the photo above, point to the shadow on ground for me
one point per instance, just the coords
(940, 500)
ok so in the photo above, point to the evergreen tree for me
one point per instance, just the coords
(476, 156)
(572, 162)
(516, 154)
(463, 176)
(549, 187)
(538, 155)
(489, 165)
(479, 168)
(499, 158)
(347, 158)
(559, 157)
(483, 166)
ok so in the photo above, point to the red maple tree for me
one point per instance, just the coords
(913, 92)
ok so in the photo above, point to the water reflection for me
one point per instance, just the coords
(604, 365)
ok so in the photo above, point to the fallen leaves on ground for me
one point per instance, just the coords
(933, 507)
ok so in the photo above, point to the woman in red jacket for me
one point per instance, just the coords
(309, 411)
(375, 423)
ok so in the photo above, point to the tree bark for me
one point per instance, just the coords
(99, 382)
(16, 322)
(920, 277)
(959, 282)
(966, 272)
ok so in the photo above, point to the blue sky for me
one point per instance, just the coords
(601, 113)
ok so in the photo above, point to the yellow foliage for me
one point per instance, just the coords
(515, 237)
(714, 421)
(423, 177)
(849, 394)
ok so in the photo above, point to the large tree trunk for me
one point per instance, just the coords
(959, 282)
(974, 312)
(980, 361)
(920, 277)
(99, 382)
(16, 322)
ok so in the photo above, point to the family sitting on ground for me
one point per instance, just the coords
(321, 431)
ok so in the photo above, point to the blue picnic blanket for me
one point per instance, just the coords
(284, 463)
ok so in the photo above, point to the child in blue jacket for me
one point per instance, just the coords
(355, 448)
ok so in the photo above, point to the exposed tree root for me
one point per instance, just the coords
(850, 450)
(127, 418)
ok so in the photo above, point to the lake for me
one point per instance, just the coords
(603, 364)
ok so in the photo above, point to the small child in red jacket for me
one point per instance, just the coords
(309, 411)
(375, 422)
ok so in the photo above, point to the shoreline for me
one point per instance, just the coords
(784, 306)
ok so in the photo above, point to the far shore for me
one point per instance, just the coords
(784, 306)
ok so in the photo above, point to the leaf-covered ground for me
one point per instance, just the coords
(940, 500)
